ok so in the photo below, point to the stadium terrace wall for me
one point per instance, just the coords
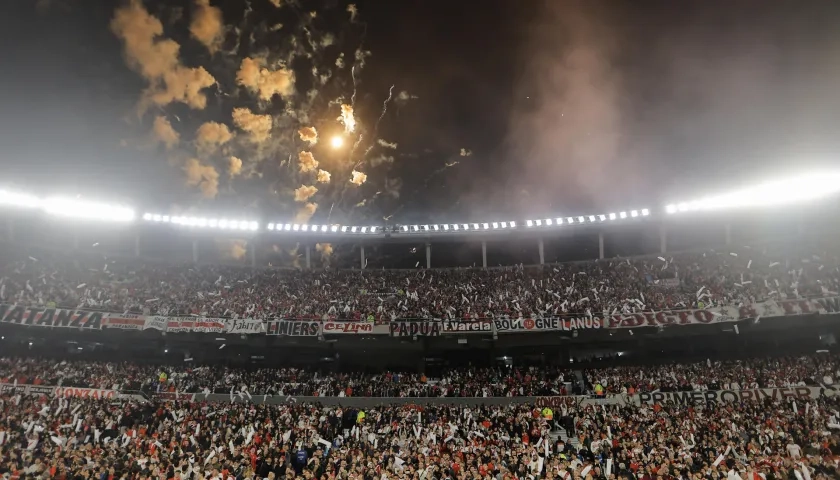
(786, 394)
(87, 320)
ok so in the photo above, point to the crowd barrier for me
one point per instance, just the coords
(781, 394)
(94, 320)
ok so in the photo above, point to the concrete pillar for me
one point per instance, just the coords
(484, 254)
(10, 229)
(363, 257)
(663, 239)
(195, 251)
(428, 255)
(542, 251)
(308, 261)
(137, 245)
(252, 249)
(728, 233)
(600, 245)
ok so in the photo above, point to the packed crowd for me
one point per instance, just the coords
(467, 382)
(688, 280)
(130, 438)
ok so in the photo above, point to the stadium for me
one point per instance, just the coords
(323, 240)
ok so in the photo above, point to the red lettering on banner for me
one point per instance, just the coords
(348, 327)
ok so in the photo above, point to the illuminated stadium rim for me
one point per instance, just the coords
(424, 229)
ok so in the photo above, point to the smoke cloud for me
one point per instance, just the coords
(164, 133)
(203, 176)
(305, 192)
(265, 83)
(305, 213)
(234, 166)
(466, 152)
(276, 3)
(211, 135)
(258, 127)
(307, 162)
(324, 176)
(385, 144)
(156, 59)
(571, 126)
(358, 178)
(309, 134)
(326, 250)
(380, 160)
(354, 12)
(347, 118)
(207, 26)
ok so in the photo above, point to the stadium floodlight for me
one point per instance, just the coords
(353, 229)
(794, 189)
(538, 223)
(404, 228)
(156, 218)
(304, 228)
(612, 216)
(435, 227)
(373, 229)
(364, 229)
(253, 226)
(202, 222)
(512, 224)
(602, 217)
(549, 222)
(455, 227)
(504, 224)
(446, 227)
(21, 200)
(558, 220)
(634, 213)
(592, 218)
(334, 228)
(212, 223)
(223, 223)
(475, 226)
(529, 223)
(623, 214)
(486, 226)
(570, 220)
(671, 208)
(344, 229)
(83, 209)
(415, 228)
(147, 216)
(581, 219)
(287, 226)
(645, 212)
(165, 219)
(295, 227)
(270, 226)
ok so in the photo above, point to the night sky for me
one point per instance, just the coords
(499, 109)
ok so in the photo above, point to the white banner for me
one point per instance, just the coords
(156, 322)
(245, 326)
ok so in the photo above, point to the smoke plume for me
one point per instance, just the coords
(354, 12)
(203, 176)
(258, 127)
(381, 159)
(265, 83)
(307, 162)
(358, 178)
(466, 152)
(571, 126)
(326, 250)
(324, 176)
(238, 249)
(305, 192)
(385, 144)
(234, 166)
(305, 213)
(207, 26)
(164, 133)
(211, 135)
(347, 118)
(309, 134)
(156, 59)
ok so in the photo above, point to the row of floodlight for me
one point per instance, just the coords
(68, 207)
(454, 227)
(581, 219)
(303, 227)
(202, 222)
